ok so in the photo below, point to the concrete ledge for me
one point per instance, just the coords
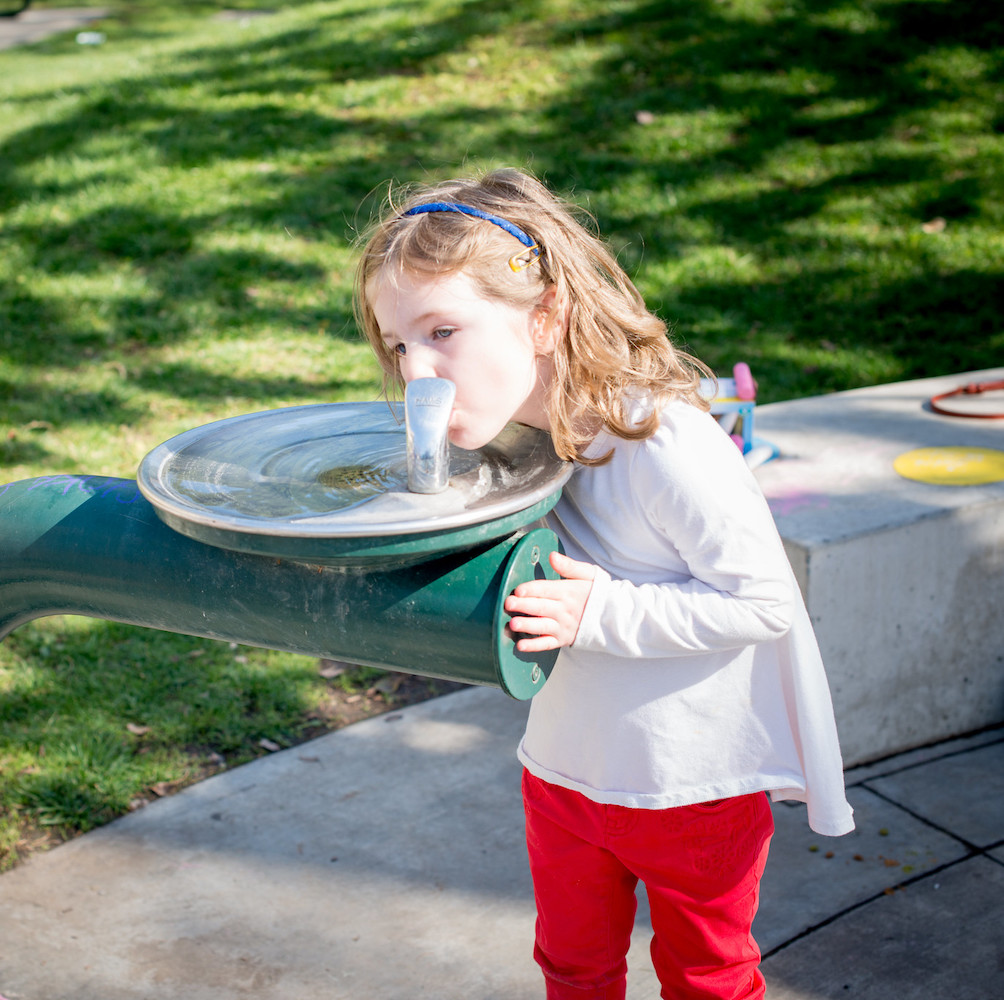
(904, 581)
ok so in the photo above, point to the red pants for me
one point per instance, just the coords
(701, 866)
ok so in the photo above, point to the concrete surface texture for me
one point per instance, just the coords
(386, 861)
(35, 24)
(904, 580)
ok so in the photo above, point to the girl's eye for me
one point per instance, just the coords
(399, 349)
(442, 332)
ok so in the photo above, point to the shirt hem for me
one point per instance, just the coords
(778, 787)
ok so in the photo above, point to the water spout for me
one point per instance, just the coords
(428, 403)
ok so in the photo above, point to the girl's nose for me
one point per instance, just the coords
(414, 365)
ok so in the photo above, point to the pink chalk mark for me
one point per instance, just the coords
(792, 500)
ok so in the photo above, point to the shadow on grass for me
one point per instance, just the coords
(873, 84)
(193, 382)
(676, 57)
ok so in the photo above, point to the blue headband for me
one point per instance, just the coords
(477, 213)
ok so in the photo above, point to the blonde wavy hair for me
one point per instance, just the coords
(610, 348)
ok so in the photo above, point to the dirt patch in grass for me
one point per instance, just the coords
(392, 691)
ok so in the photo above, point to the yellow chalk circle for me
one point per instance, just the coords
(952, 466)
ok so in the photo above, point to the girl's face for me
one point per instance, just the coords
(442, 327)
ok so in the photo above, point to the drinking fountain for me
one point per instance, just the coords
(348, 531)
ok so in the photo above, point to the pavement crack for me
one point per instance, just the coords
(860, 904)
(972, 848)
(926, 762)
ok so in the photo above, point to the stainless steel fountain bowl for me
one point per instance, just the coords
(328, 484)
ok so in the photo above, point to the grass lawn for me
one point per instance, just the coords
(811, 186)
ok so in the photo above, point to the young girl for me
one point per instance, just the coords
(689, 683)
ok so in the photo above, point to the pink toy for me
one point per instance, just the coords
(733, 401)
(745, 386)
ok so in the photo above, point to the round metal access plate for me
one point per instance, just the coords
(335, 471)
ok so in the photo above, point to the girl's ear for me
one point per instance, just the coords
(548, 322)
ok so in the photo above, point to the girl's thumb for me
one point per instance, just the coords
(572, 569)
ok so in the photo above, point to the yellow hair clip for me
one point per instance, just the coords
(525, 258)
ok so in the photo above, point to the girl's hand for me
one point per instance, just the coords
(551, 610)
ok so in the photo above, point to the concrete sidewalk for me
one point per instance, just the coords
(34, 25)
(386, 860)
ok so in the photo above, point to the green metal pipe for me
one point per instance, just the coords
(93, 546)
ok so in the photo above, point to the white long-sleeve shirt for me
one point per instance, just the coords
(695, 674)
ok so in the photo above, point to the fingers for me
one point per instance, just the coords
(566, 568)
(531, 606)
(538, 624)
(550, 623)
(549, 611)
(537, 644)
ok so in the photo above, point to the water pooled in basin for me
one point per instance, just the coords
(363, 480)
(337, 470)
